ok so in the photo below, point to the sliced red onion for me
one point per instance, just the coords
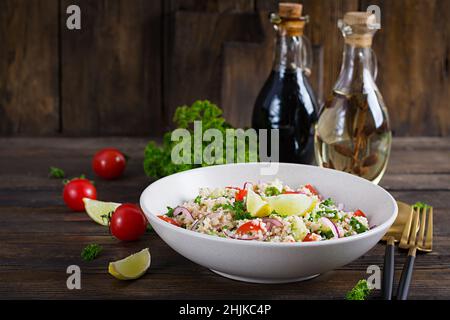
(331, 225)
(271, 222)
(194, 224)
(182, 211)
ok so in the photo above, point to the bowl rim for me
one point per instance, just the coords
(154, 218)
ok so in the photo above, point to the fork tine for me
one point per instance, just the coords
(422, 228)
(429, 237)
(413, 230)
(406, 229)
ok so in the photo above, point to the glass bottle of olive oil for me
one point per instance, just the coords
(353, 132)
(286, 101)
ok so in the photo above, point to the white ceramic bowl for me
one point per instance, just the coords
(265, 262)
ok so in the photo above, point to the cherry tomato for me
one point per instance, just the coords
(77, 189)
(128, 223)
(248, 228)
(169, 220)
(109, 163)
(359, 213)
(312, 189)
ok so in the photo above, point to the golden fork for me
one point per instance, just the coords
(415, 240)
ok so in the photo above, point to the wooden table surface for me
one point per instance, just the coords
(40, 237)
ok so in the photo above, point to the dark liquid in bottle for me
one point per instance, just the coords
(287, 102)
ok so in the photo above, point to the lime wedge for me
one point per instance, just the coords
(256, 206)
(291, 204)
(132, 267)
(98, 209)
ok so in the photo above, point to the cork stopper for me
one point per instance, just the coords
(289, 10)
(359, 18)
(361, 25)
(291, 18)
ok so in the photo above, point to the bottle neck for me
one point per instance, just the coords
(358, 67)
(288, 53)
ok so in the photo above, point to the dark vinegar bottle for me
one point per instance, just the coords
(286, 101)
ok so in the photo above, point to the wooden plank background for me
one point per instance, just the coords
(134, 61)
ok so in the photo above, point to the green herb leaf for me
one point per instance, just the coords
(198, 199)
(327, 203)
(237, 208)
(91, 251)
(170, 212)
(56, 173)
(357, 226)
(272, 191)
(421, 206)
(359, 292)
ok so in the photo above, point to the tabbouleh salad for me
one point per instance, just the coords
(270, 212)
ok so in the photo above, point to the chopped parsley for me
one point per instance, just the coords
(331, 214)
(170, 212)
(357, 226)
(198, 199)
(327, 203)
(327, 233)
(56, 173)
(421, 206)
(272, 191)
(91, 251)
(237, 208)
(359, 292)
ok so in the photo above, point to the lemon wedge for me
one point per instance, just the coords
(132, 267)
(98, 209)
(291, 204)
(256, 206)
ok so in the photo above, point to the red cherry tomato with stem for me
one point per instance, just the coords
(128, 223)
(109, 163)
(77, 189)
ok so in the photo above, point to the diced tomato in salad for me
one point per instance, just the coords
(240, 193)
(359, 213)
(291, 192)
(309, 237)
(312, 189)
(248, 228)
(169, 220)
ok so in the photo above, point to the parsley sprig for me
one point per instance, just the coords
(91, 251)
(359, 292)
(157, 159)
(237, 208)
(56, 173)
